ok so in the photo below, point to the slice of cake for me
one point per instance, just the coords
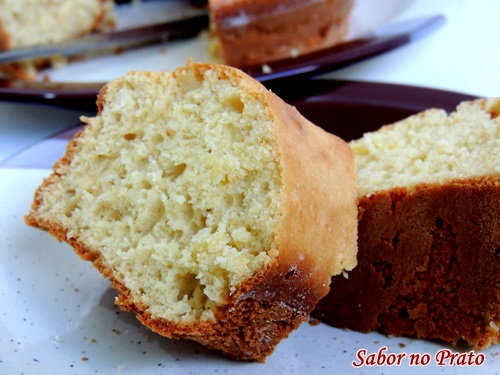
(429, 230)
(28, 23)
(218, 212)
(259, 31)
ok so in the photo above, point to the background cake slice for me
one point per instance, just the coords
(429, 230)
(27, 23)
(218, 212)
(256, 32)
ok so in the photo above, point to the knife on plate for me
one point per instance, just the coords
(117, 40)
(380, 40)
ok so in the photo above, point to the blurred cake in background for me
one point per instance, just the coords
(243, 32)
(27, 23)
(252, 32)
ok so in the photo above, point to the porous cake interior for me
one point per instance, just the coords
(176, 183)
(48, 21)
(431, 148)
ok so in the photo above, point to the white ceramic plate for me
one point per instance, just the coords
(57, 316)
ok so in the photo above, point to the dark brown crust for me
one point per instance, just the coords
(271, 37)
(248, 328)
(273, 302)
(428, 265)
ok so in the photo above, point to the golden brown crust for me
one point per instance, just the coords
(325, 163)
(428, 265)
(258, 35)
(317, 237)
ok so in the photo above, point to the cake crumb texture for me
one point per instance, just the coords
(209, 175)
(431, 147)
(190, 190)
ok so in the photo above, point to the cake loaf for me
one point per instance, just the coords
(429, 230)
(259, 31)
(27, 23)
(218, 212)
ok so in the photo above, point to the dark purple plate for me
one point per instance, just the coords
(349, 109)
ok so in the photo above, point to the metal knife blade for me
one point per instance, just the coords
(82, 95)
(115, 41)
